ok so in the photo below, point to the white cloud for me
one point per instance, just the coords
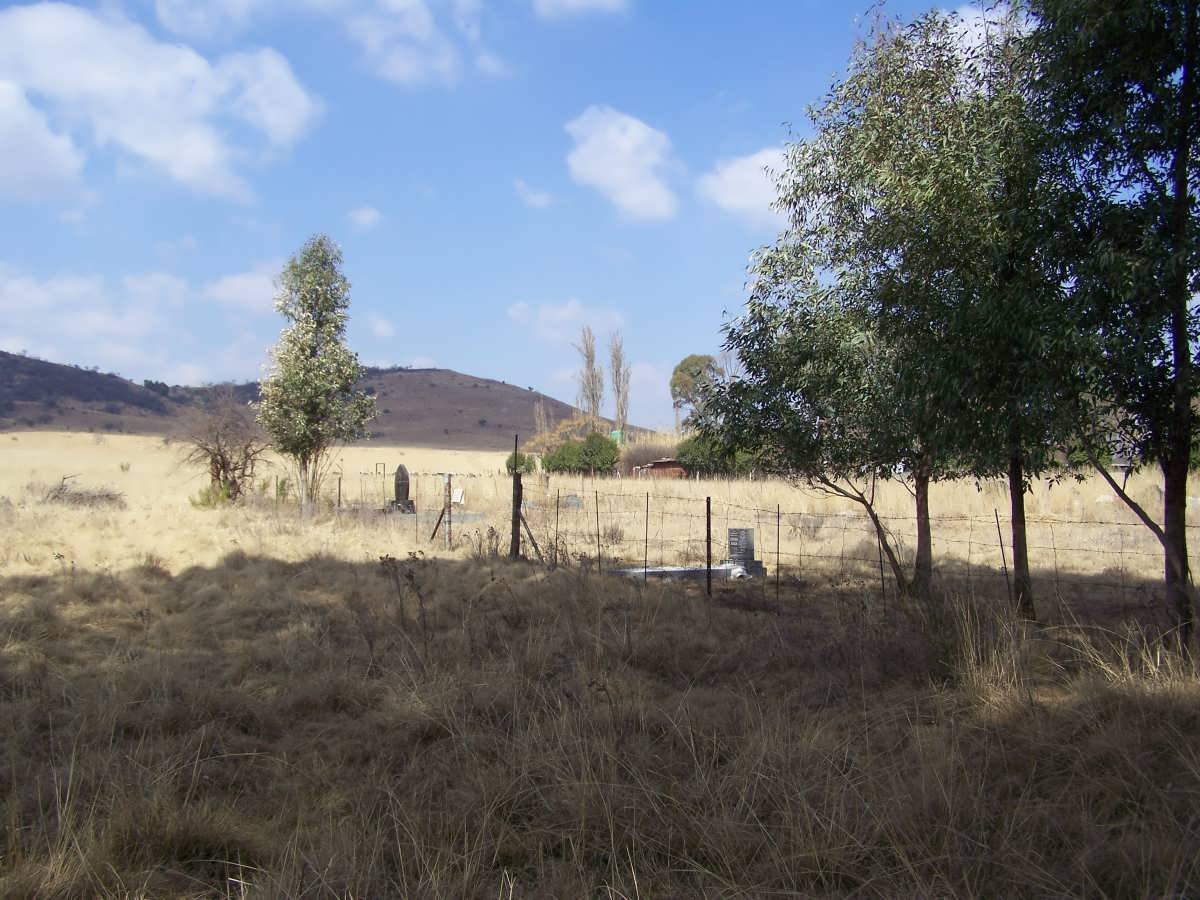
(561, 323)
(161, 104)
(252, 290)
(19, 343)
(129, 324)
(93, 321)
(403, 43)
(205, 18)
(976, 25)
(491, 64)
(553, 9)
(622, 157)
(263, 92)
(171, 250)
(156, 289)
(37, 161)
(531, 196)
(380, 327)
(742, 187)
(365, 217)
(186, 373)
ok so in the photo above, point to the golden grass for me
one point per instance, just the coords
(1076, 529)
(242, 702)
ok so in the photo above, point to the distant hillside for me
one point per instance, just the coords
(417, 407)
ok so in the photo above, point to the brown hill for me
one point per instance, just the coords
(417, 407)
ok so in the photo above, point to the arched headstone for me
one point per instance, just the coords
(402, 503)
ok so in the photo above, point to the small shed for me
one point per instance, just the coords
(661, 468)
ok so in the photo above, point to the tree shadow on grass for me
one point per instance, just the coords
(433, 727)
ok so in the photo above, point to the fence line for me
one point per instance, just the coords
(638, 523)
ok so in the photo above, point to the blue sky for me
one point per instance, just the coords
(498, 174)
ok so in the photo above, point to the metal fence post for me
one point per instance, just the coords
(646, 542)
(599, 568)
(708, 543)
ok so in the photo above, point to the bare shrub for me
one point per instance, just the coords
(224, 438)
(70, 494)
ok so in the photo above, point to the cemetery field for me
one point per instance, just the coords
(1077, 530)
(243, 702)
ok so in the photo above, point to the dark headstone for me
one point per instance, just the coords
(741, 550)
(402, 503)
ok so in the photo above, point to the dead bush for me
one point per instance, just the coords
(69, 494)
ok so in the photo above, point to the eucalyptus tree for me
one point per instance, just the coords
(823, 399)
(1117, 83)
(949, 212)
(309, 401)
(921, 208)
(691, 376)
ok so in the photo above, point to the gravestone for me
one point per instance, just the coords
(741, 551)
(402, 503)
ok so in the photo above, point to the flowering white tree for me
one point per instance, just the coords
(309, 404)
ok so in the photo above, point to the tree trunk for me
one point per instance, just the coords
(923, 564)
(885, 539)
(303, 489)
(1022, 583)
(1179, 436)
(1178, 576)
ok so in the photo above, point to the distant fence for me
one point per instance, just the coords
(625, 523)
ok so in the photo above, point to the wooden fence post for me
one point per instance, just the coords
(514, 541)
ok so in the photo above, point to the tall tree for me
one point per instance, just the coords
(309, 402)
(619, 374)
(591, 376)
(931, 205)
(1118, 86)
(541, 420)
(821, 398)
(691, 376)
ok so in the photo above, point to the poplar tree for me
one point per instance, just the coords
(619, 375)
(591, 376)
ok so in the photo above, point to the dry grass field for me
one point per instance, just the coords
(241, 702)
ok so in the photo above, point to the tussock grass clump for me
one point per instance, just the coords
(436, 728)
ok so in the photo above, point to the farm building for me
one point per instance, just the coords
(660, 468)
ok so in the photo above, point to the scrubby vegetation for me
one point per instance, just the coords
(525, 463)
(596, 453)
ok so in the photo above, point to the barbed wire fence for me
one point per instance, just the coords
(630, 524)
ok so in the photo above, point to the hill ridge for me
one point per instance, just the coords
(430, 407)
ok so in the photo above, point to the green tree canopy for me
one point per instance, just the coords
(689, 379)
(309, 401)
(1117, 87)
